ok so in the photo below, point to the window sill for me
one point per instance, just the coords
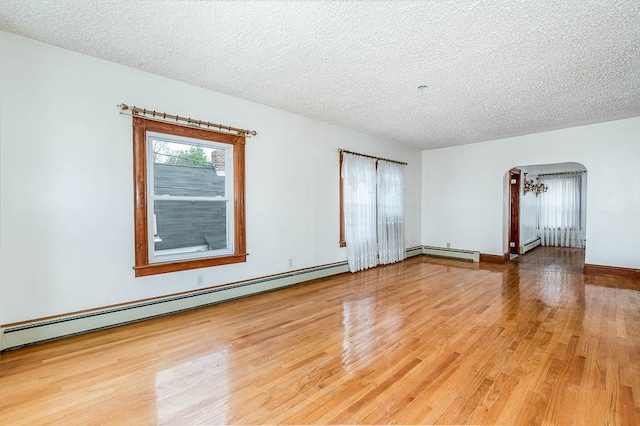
(183, 265)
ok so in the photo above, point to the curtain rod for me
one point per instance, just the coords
(563, 173)
(170, 117)
(340, 150)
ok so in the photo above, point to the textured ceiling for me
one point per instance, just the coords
(493, 68)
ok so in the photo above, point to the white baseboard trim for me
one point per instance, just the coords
(39, 331)
(530, 245)
(453, 253)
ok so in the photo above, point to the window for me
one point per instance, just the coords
(559, 211)
(189, 197)
(371, 210)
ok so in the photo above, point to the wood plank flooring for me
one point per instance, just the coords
(426, 341)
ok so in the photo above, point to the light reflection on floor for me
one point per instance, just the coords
(365, 328)
(200, 384)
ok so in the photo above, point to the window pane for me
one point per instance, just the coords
(189, 203)
(189, 226)
(181, 169)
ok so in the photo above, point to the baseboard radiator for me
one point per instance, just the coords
(39, 331)
(453, 253)
(530, 245)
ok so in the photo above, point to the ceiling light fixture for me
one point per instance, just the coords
(422, 90)
(536, 187)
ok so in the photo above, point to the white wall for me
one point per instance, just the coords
(66, 211)
(463, 189)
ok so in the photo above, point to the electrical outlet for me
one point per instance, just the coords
(448, 245)
(290, 263)
(200, 280)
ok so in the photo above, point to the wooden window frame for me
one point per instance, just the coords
(142, 265)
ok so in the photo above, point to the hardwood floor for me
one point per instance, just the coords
(429, 340)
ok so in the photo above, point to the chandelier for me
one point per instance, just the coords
(534, 186)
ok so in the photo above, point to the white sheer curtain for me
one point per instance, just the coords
(390, 191)
(559, 215)
(359, 192)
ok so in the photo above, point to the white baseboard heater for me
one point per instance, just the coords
(43, 330)
(453, 253)
(529, 246)
(38, 331)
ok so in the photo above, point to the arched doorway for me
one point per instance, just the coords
(547, 206)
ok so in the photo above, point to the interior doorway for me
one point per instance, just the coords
(528, 221)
